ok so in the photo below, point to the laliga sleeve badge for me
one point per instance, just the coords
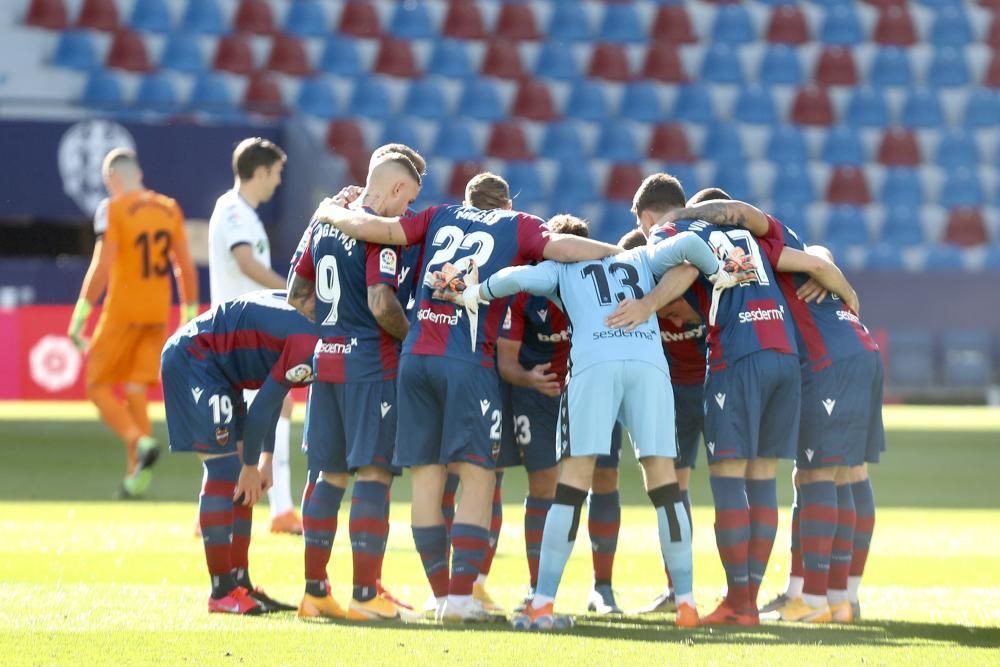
(221, 435)
(495, 450)
(301, 374)
(387, 262)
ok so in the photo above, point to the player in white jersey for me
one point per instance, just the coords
(239, 261)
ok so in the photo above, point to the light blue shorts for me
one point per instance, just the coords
(635, 393)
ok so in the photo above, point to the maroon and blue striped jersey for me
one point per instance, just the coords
(826, 332)
(460, 236)
(543, 331)
(685, 348)
(751, 317)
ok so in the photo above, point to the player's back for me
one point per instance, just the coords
(543, 330)
(144, 225)
(685, 349)
(234, 223)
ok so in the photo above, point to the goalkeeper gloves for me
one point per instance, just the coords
(77, 321)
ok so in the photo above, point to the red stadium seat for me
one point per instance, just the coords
(991, 4)
(288, 55)
(460, 175)
(787, 25)
(623, 181)
(395, 58)
(670, 144)
(992, 77)
(128, 52)
(503, 60)
(673, 25)
(812, 106)
(254, 16)
(663, 63)
(899, 148)
(360, 19)
(49, 14)
(966, 227)
(233, 54)
(993, 36)
(895, 27)
(507, 142)
(344, 137)
(98, 15)
(835, 67)
(263, 96)
(464, 21)
(610, 62)
(517, 21)
(534, 102)
(848, 185)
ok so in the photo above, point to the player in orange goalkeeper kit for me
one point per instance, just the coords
(140, 241)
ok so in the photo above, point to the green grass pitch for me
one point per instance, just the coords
(88, 581)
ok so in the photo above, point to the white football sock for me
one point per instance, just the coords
(853, 584)
(836, 597)
(795, 585)
(280, 494)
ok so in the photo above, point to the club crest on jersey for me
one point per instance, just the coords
(829, 405)
(299, 374)
(720, 398)
(495, 450)
(387, 261)
(196, 393)
(543, 314)
(385, 408)
(221, 435)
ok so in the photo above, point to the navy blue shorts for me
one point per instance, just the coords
(205, 413)
(841, 413)
(509, 455)
(689, 407)
(449, 412)
(752, 408)
(349, 426)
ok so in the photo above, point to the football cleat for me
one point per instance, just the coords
(777, 603)
(324, 607)
(480, 593)
(464, 609)
(726, 615)
(663, 604)
(687, 616)
(268, 604)
(376, 609)
(602, 600)
(842, 612)
(287, 523)
(856, 611)
(525, 602)
(380, 590)
(541, 618)
(797, 611)
(237, 601)
(147, 454)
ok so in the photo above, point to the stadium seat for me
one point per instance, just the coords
(344, 137)
(902, 186)
(790, 215)
(911, 359)
(686, 174)
(992, 76)
(841, 26)
(894, 26)
(867, 107)
(464, 21)
(480, 100)
(515, 21)
(254, 16)
(288, 56)
(669, 143)
(151, 16)
(128, 52)
(787, 144)
(884, 257)
(944, 258)
(993, 34)
(609, 62)
(962, 187)
(211, 94)
(183, 53)
(525, 183)
(615, 220)
(721, 64)
(982, 108)
(922, 108)
(812, 106)
(732, 177)
(370, 99)
(780, 66)
(733, 25)
(835, 67)
(723, 143)
(956, 148)
(890, 67)
(233, 54)
(507, 141)
(395, 58)
(569, 23)
(663, 63)
(562, 141)
(616, 142)
(340, 56)
(672, 25)
(49, 14)
(787, 25)
(556, 60)
(534, 102)
(455, 140)
(842, 146)
(901, 226)
(425, 98)
(951, 27)
(991, 262)
(621, 23)
(641, 101)
(755, 106)
(693, 104)
(575, 182)
(98, 15)
(204, 16)
(411, 20)
(503, 60)
(899, 148)
(450, 58)
(401, 130)
(948, 68)
(156, 92)
(966, 227)
(360, 19)
(622, 183)
(307, 18)
(848, 185)
(846, 225)
(792, 184)
(103, 90)
(587, 101)
(968, 358)
(263, 95)
(75, 49)
(316, 98)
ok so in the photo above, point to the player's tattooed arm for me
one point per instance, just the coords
(360, 225)
(302, 296)
(825, 272)
(725, 213)
(632, 313)
(388, 311)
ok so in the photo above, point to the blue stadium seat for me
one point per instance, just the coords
(587, 101)
(693, 104)
(790, 215)
(787, 144)
(956, 148)
(793, 185)
(562, 141)
(721, 64)
(425, 98)
(556, 61)
(755, 106)
(76, 49)
(370, 99)
(401, 130)
(307, 18)
(992, 260)
(480, 100)
(943, 258)
(686, 174)
(103, 91)
(841, 26)
(455, 140)
(922, 108)
(948, 68)
(450, 58)
(961, 188)
(641, 102)
(183, 53)
(150, 16)
(732, 177)
(615, 221)
(733, 25)
(847, 225)
(621, 23)
(211, 94)
(156, 92)
(968, 358)
(316, 98)
(884, 257)
(411, 20)
(951, 27)
(842, 146)
(575, 183)
(204, 16)
(902, 186)
(901, 226)
(982, 108)
(617, 143)
(341, 57)
(780, 66)
(891, 67)
(723, 143)
(525, 183)
(431, 190)
(569, 23)
(867, 107)
(911, 359)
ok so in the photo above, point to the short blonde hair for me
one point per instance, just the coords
(564, 223)
(487, 191)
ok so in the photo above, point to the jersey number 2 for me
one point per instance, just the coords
(162, 242)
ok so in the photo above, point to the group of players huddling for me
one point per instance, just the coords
(465, 339)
